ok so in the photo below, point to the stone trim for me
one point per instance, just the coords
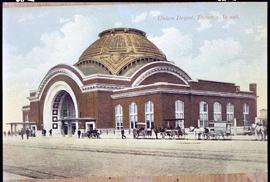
(181, 91)
(161, 69)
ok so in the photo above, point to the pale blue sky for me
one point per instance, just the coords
(35, 39)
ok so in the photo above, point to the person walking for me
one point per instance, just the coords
(156, 132)
(22, 133)
(79, 133)
(134, 132)
(50, 131)
(123, 133)
(44, 132)
(27, 133)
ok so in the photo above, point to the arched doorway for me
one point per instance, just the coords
(60, 103)
(63, 108)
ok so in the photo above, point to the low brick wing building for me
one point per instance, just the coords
(123, 78)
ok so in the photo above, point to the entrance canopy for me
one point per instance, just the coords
(19, 123)
(68, 121)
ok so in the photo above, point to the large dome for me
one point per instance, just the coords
(119, 51)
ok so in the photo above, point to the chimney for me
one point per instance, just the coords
(237, 88)
(253, 88)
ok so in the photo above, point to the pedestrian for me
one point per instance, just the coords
(27, 133)
(123, 133)
(22, 133)
(45, 132)
(134, 132)
(50, 131)
(156, 132)
(8, 133)
(79, 133)
(5, 133)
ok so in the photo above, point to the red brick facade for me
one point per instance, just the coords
(100, 104)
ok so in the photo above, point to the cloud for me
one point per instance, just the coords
(203, 24)
(219, 51)
(261, 33)
(25, 71)
(173, 43)
(63, 20)
(249, 31)
(118, 24)
(26, 17)
(139, 18)
(224, 60)
(154, 13)
(61, 46)
(228, 23)
(218, 16)
(142, 17)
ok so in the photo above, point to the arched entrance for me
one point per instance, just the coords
(60, 103)
(63, 108)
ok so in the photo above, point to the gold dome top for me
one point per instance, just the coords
(117, 49)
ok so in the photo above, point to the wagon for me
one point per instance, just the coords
(141, 130)
(218, 130)
(171, 130)
(92, 134)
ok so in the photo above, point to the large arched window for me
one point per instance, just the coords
(133, 115)
(217, 111)
(118, 117)
(149, 114)
(246, 114)
(230, 112)
(179, 113)
(203, 113)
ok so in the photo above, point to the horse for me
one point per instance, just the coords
(139, 132)
(260, 131)
(197, 131)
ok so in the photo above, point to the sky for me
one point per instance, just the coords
(224, 42)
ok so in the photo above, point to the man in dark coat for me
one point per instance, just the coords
(50, 131)
(22, 133)
(123, 133)
(27, 132)
(156, 132)
(79, 133)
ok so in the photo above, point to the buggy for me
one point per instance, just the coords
(93, 134)
(216, 130)
(141, 130)
(172, 131)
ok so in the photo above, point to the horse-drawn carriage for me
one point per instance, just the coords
(260, 129)
(173, 128)
(141, 131)
(216, 130)
(92, 134)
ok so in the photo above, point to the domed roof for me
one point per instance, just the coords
(116, 49)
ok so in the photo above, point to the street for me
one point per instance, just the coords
(64, 157)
